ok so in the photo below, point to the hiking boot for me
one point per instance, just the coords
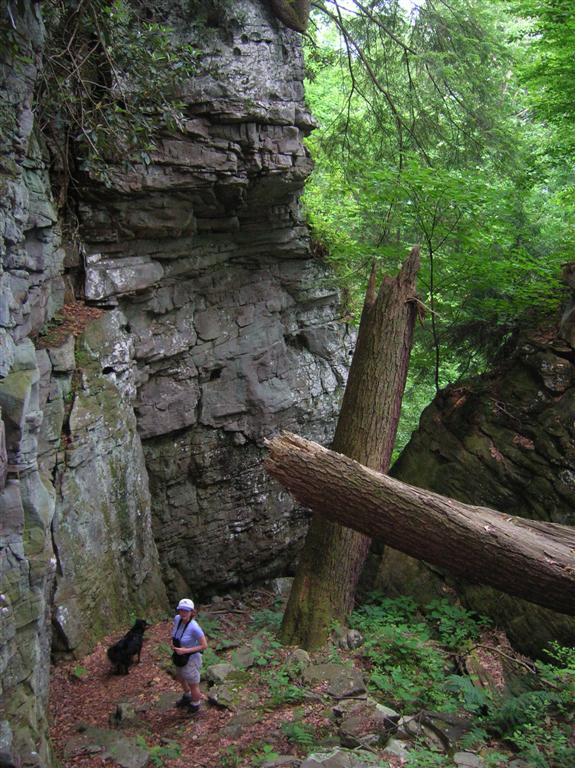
(185, 701)
(193, 709)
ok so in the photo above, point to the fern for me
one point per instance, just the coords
(299, 733)
(527, 708)
(455, 625)
(474, 699)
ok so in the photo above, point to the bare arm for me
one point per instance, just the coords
(194, 648)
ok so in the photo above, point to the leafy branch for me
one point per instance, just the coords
(111, 84)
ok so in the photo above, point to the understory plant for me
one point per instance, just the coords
(111, 84)
(282, 690)
(412, 654)
(407, 665)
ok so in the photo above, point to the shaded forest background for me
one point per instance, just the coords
(449, 125)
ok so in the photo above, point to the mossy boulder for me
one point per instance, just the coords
(507, 441)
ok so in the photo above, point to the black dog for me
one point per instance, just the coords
(122, 653)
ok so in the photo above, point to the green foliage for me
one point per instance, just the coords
(209, 657)
(111, 83)
(265, 648)
(407, 668)
(473, 698)
(300, 733)
(558, 674)
(162, 650)
(544, 746)
(263, 753)
(334, 655)
(549, 65)
(517, 712)
(494, 759)
(456, 627)
(158, 753)
(281, 689)
(420, 141)
(210, 625)
(80, 672)
(267, 618)
(535, 722)
(384, 609)
(230, 758)
(425, 758)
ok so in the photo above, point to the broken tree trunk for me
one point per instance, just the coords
(525, 558)
(333, 556)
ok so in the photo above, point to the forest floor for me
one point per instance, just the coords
(267, 717)
(85, 694)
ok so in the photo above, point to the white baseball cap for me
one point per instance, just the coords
(185, 605)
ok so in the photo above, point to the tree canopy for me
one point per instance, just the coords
(435, 128)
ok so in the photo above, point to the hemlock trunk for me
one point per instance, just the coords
(333, 557)
(525, 558)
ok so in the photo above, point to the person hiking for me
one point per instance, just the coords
(188, 642)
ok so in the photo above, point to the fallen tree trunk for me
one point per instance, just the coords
(525, 558)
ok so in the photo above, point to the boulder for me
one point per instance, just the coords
(503, 440)
(365, 723)
(339, 758)
(217, 673)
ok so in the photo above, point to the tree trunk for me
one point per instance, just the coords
(525, 558)
(333, 557)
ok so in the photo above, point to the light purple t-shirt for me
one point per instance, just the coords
(189, 637)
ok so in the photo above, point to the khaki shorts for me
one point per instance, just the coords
(191, 672)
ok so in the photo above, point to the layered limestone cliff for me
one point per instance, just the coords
(144, 362)
(233, 326)
(31, 288)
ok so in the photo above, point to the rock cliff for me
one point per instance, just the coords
(145, 360)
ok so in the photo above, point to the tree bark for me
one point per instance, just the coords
(525, 558)
(333, 557)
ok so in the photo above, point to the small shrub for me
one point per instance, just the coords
(80, 672)
(265, 649)
(230, 758)
(281, 689)
(384, 610)
(299, 733)
(266, 619)
(406, 668)
(544, 746)
(472, 698)
(160, 752)
(559, 674)
(210, 657)
(456, 627)
(263, 754)
(162, 651)
(527, 709)
(494, 759)
(211, 626)
(334, 656)
(425, 758)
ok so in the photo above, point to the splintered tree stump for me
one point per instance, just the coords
(333, 557)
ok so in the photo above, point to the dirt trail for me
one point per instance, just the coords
(85, 694)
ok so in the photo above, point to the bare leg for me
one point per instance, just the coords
(187, 695)
(196, 693)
